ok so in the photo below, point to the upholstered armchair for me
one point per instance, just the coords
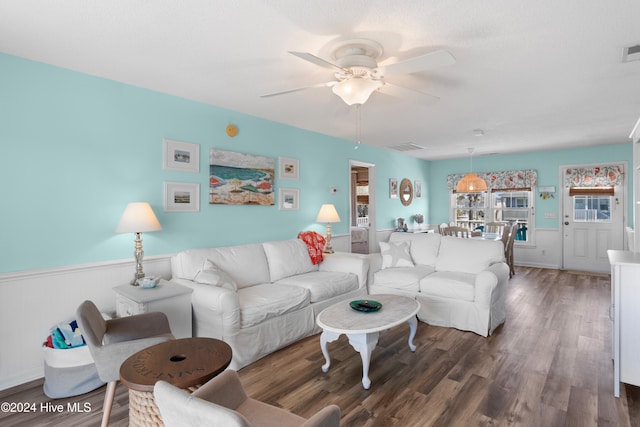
(111, 342)
(222, 401)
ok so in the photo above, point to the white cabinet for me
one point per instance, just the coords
(635, 137)
(625, 316)
(172, 299)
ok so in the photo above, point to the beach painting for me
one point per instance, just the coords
(240, 179)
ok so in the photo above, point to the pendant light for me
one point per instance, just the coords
(471, 183)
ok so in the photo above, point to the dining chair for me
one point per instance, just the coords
(222, 401)
(505, 239)
(112, 341)
(512, 238)
(496, 227)
(456, 231)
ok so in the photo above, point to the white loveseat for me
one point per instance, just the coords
(261, 297)
(459, 282)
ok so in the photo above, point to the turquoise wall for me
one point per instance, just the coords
(547, 163)
(76, 149)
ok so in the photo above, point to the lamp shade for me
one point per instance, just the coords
(138, 217)
(328, 213)
(471, 183)
(355, 90)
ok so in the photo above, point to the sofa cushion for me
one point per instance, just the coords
(287, 258)
(230, 259)
(265, 301)
(468, 255)
(212, 275)
(405, 278)
(323, 285)
(424, 246)
(395, 254)
(449, 284)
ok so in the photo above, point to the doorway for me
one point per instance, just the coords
(362, 211)
(592, 222)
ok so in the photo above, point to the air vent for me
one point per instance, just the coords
(409, 146)
(631, 53)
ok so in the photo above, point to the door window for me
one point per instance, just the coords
(592, 208)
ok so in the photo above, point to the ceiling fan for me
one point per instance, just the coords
(357, 74)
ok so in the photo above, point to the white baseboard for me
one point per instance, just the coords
(23, 377)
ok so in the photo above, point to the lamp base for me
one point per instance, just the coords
(327, 247)
(136, 277)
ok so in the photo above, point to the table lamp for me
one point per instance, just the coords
(138, 217)
(328, 214)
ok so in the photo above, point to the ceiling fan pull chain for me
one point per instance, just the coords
(358, 126)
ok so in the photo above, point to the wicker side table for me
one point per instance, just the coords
(186, 363)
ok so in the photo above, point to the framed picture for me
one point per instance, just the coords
(289, 199)
(417, 189)
(181, 197)
(181, 156)
(393, 188)
(289, 168)
(240, 179)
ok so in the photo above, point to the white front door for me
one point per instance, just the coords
(592, 224)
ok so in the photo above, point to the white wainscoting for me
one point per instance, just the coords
(546, 253)
(33, 301)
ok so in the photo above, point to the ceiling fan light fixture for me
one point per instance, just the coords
(356, 90)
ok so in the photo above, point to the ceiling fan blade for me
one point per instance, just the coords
(432, 60)
(408, 94)
(284, 92)
(316, 60)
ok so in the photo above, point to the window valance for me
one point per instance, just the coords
(594, 176)
(501, 180)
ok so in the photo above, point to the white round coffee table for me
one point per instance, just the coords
(363, 329)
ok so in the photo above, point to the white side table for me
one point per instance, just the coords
(172, 299)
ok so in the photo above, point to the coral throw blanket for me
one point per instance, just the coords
(315, 244)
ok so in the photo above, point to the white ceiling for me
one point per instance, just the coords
(533, 75)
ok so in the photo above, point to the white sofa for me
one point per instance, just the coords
(261, 297)
(459, 283)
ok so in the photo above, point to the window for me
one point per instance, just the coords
(592, 208)
(510, 198)
(515, 206)
(469, 209)
(472, 210)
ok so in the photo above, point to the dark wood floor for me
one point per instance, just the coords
(548, 365)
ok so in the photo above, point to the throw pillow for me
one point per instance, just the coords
(395, 254)
(210, 274)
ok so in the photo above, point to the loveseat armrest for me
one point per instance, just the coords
(347, 263)
(375, 265)
(215, 306)
(490, 283)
